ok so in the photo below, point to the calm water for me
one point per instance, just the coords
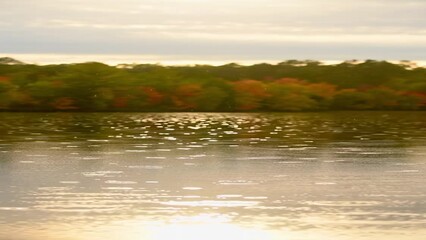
(339, 176)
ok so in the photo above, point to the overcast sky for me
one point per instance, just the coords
(217, 29)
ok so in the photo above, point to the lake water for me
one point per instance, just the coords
(155, 176)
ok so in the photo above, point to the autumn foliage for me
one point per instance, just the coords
(287, 86)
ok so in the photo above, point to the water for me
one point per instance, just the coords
(340, 176)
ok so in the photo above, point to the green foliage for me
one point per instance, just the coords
(287, 86)
(295, 95)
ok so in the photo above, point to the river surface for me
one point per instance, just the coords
(197, 176)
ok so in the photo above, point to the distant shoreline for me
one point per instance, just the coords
(288, 86)
(168, 60)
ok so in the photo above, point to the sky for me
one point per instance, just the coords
(203, 31)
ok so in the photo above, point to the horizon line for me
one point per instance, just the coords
(169, 60)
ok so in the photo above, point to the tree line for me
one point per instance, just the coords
(287, 86)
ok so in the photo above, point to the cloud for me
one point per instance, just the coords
(319, 28)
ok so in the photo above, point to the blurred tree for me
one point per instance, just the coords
(290, 95)
(249, 95)
(351, 85)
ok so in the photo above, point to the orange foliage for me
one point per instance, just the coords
(154, 97)
(249, 94)
(325, 90)
(4, 79)
(120, 102)
(184, 96)
(188, 90)
(290, 81)
(421, 96)
(64, 103)
(252, 87)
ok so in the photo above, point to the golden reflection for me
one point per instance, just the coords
(205, 227)
(198, 227)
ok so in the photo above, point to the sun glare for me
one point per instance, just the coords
(207, 228)
(207, 232)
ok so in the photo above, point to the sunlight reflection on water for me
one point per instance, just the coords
(160, 176)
